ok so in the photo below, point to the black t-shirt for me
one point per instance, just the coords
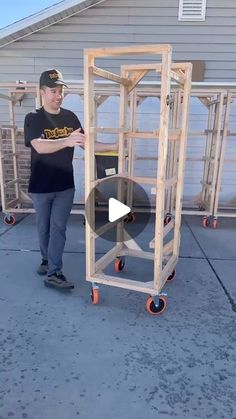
(51, 172)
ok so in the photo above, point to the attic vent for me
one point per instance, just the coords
(192, 10)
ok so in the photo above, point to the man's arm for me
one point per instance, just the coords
(99, 147)
(76, 138)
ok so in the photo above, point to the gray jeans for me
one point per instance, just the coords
(52, 213)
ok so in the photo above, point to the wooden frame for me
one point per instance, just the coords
(226, 209)
(164, 255)
(216, 99)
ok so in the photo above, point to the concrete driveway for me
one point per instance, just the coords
(64, 358)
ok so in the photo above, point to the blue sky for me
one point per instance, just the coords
(13, 10)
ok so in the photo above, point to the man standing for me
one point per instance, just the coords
(52, 132)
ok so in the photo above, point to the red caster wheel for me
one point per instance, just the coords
(95, 295)
(215, 223)
(119, 264)
(205, 222)
(130, 218)
(167, 219)
(9, 219)
(153, 309)
(171, 277)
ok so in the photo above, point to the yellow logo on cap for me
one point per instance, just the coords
(54, 76)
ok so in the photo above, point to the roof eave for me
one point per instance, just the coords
(9, 33)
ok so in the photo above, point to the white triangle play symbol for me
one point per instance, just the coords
(116, 209)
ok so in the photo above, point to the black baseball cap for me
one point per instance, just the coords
(51, 78)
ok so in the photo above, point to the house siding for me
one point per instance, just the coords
(123, 23)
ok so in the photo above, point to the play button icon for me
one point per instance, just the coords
(116, 210)
(118, 202)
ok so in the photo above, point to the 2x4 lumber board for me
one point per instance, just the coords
(145, 287)
(108, 130)
(142, 67)
(130, 243)
(179, 79)
(98, 181)
(168, 183)
(173, 134)
(146, 180)
(181, 162)
(168, 269)
(186, 211)
(168, 248)
(8, 155)
(8, 126)
(89, 112)
(103, 229)
(12, 204)
(166, 230)
(108, 257)
(137, 253)
(100, 99)
(25, 197)
(11, 182)
(19, 210)
(218, 140)
(161, 167)
(222, 154)
(225, 214)
(129, 50)
(186, 67)
(135, 79)
(109, 76)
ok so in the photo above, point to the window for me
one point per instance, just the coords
(192, 10)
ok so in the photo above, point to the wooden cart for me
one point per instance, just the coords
(163, 254)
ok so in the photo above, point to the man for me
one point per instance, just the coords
(52, 132)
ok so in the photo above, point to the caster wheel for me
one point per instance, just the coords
(205, 222)
(215, 223)
(130, 218)
(153, 309)
(9, 220)
(119, 264)
(171, 277)
(167, 219)
(95, 295)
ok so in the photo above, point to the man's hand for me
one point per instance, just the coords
(76, 138)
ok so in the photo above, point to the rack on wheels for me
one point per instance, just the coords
(170, 140)
(14, 157)
(224, 201)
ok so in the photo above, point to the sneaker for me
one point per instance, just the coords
(58, 280)
(43, 267)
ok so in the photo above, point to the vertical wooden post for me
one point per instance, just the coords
(13, 142)
(182, 153)
(161, 167)
(89, 121)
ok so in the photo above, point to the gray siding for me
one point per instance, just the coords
(124, 22)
